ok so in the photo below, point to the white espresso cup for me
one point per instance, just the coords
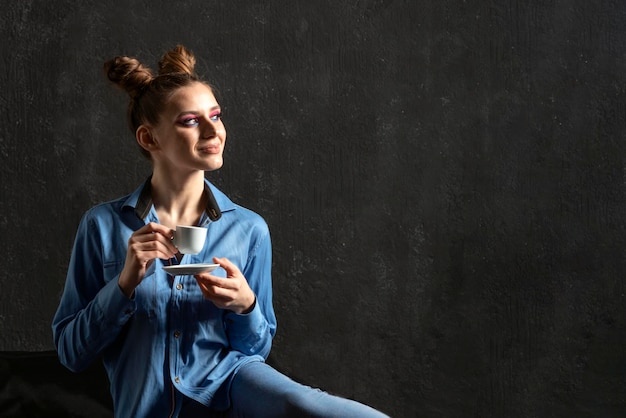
(189, 239)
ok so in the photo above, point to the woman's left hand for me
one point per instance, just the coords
(232, 293)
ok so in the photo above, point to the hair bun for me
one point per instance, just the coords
(129, 74)
(178, 60)
(148, 92)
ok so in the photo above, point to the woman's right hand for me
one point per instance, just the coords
(147, 243)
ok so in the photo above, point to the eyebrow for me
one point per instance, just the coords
(195, 112)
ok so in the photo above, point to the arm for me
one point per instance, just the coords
(97, 300)
(251, 323)
(93, 309)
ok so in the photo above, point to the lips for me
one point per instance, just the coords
(210, 148)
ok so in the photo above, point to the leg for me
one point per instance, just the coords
(259, 390)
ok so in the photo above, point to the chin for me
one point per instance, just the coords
(215, 164)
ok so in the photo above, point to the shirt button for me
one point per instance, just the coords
(177, 379)
(179, 286)
(176, 334)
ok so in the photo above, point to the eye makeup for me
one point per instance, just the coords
(215, 115)
(193, 119)
(188, 120)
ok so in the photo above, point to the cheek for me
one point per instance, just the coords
(221, 130)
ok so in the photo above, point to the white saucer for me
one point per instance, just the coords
(190, 269)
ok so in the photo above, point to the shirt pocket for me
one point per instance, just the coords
(152, 295)
(147, 294)
(112, 270)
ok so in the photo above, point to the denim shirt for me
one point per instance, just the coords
(168, 340)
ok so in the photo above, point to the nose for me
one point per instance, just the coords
(208, 130)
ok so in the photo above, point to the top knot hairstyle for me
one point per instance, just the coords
(148, 92)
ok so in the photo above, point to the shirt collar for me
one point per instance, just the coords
(141, 201)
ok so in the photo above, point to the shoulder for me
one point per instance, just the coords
(106, 212)
(124, 205)
(251, 218)
(238, 216)
(245, 218)
(106, 208)
(232, 209)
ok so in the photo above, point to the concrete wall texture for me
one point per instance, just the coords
(445, 182)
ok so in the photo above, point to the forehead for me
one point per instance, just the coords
(197, 96)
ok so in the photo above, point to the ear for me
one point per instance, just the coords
(145, 139)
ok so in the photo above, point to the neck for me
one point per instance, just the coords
(178, 200)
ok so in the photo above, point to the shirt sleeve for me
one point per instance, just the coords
(93, 309)
(252, 333)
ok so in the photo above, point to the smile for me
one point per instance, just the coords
(210, 149)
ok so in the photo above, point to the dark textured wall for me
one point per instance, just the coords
(444, 181)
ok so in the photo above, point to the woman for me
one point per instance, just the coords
(177, 346)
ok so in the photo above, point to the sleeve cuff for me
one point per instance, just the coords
(245, 324)
(115, 307)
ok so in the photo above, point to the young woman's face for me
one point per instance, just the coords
(190, 135)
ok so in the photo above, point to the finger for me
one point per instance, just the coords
(213, 292)
(167, 242)
(152, 248)
(209, 280)
(157, 228)
(204, 287)
(226, 264)
(148, 236)
(230, 293)
(153, 229)
(220, 296)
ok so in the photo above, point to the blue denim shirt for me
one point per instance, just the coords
(167, 340)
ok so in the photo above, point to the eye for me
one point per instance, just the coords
(215, 116)
(189, 121)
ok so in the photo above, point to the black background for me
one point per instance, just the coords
(444, 182)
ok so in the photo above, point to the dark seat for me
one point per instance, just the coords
(35, 384)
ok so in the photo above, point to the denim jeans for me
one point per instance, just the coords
(258, 390)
